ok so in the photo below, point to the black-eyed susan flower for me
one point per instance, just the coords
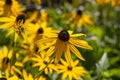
(41, 31)
(5, 58)
(64, 42)
(17, 24)
(71, 71)
(37, 31)
(43, 17)
(44, 63)
(5, 63)
(80, 19)
(9, 7)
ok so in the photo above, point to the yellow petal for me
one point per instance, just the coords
(50, 51)
(76, 35)
(64, 75)
(5, 51)
(25, 75)
(67, 55)
(5, 19)
(80, 43)
(19, 64)
(76, 52)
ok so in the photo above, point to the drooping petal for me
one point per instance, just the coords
(50, 51)
(67, 55)
(76, 52)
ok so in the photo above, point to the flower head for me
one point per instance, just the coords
(17, 24)
(80, 19)
(44, 63)
(71, 70)
(10, 7)
(5, 58)
(63, 43)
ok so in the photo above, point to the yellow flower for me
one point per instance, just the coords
(71, 70)
(5, 58)
(41, 31)
(36, 31)
(80, 19)
(9, 7)
(111, 2)
(17, 24)
(64, 42)
(44, 63)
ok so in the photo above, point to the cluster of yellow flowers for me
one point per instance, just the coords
(48, 49)
(111, 2)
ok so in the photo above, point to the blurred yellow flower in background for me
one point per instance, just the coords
(80, 19)
(111, 2)
(10, 7)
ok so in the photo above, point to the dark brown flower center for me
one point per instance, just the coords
(69, 68)
(79, 12)
(45, 62)
(40, 31)
(20, 18)
(3, 79)
(6, 60)
(8, 2)
(64, 35)
(36, 49)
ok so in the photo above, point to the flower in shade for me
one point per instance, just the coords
(63, 43)
(10, 7)
(71, 71)
(80, 19)
(111, 2)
